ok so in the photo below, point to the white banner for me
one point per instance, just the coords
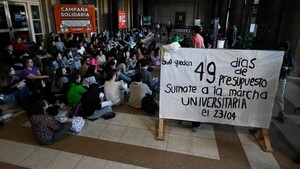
(235, 87)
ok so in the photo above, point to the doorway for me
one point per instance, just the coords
(180, 19)
(13, 21)
(20, 19)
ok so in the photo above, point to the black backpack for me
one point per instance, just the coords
(149, 105)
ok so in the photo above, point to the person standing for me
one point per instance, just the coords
(169, 29)
(286, 68)
(231, 36)
(197, 42)
(158, 30)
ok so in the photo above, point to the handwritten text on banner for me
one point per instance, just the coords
(234, 87)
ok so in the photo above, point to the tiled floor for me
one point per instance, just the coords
(138, 131)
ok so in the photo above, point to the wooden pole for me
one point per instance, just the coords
(160, 130)
(263, 138)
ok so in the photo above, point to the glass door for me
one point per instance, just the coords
(4, 30)
(13, 21)
(19, 20)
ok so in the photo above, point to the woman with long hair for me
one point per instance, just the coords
(60, 82)
(91, 105)
(75, 91)
(89, 77)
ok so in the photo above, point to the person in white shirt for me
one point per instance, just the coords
(138, 91)
(115, 90)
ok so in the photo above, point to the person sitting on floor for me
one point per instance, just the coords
(13, 87)
(89, 76)
(75, 91)
(91, 105)
(46, 130)
(115, 90)
(153, 83)
(138, 91)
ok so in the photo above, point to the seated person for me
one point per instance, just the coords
(12, 87)
(59, 62)
(89, 77)
(8, 57)
(131, 62)
(138, 91)
(75, 91)
(91, 105)
(46, 130)
(20, 49)
(30, 72)
(42, 92)
(60, 81)
(114, 90)
(153, 83)
(155, 58)
(40, 54)
(112, 66)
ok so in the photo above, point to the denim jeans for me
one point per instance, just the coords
(21, 95)
(122, 76)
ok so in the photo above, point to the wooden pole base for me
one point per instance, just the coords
(160, 130)
(262, 138)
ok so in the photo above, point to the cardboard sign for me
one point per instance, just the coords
(122, 19)
(235, 87)
(75, 18)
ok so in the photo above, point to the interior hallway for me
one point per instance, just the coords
(128, 141)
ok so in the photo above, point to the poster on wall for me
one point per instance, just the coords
(122, 19)
(235, 87)
(74, 18)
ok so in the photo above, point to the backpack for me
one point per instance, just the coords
(149, 105)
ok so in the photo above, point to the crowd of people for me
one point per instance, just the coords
(80, 74)
(76, 75)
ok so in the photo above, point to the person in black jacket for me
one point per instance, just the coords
(91, 105)
(286, 67)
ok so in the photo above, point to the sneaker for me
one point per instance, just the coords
(282, 115)
(195, 129)
(109, 115)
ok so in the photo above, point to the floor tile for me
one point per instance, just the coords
(64, 160)
(91, 163)
(18, 153)
(180, 130)
(40, 158)
(179, 144)
(133, 136)
(245, 136)
(112, 133)
(92, 129)
(6, 145)
(151, 142)
(115, 165)
(206, 131)
(205, 148)
(259, 159)
(102, 121)
(122, 119)
(143, 122)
